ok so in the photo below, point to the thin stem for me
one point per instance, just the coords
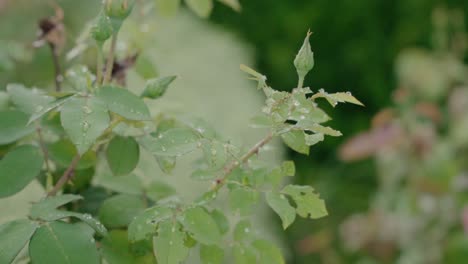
(110, 59)
(300, 83)
(58, 70)
(99, 65)
(234, 164)
(43, 147)
(67, 175)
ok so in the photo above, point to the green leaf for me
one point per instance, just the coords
(313, 139)
(18, 168)
(44, 109)
(200, 7)
(288, 168)
(123, 154)
(84, 120)
(169, 245)
(156, 87)
(13, 237)
(211, 254)
(243, 199)
(336, 98)
(167, 7)
(280, 204)
(215, 154)
(166, 164)
(221, 221)
(268, 252)
(173, 142)
(157, 190)
(26, 99)
(234, 4)
(80, 78)
(124, 103)
(296, 140)
(63, 151)
(243, 255)
(145, 224)
(116, 249)
(308, 203)
(13, 126)
(243, 231)
(46, 210)
(4, 101)
(201, 225)
(316, 128)
(59, 242)
(119, 210)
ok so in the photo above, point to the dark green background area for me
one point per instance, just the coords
(355, 44)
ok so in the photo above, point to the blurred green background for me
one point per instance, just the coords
(356, 44)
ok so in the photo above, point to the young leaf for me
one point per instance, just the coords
(13, 237)
(124, 103)
(84, 120)
(308, 203)
(268, 253)
(288, 168)
(313, 139)
(44, 109)
(119, 210)
(336, 98)
(123, 154)
(280, 204)
(18, 168)
(46, 210)
(296, 140)
(27, 99)
(59, 242)
(169, 245)
(166, 164)
(211, 254)
(200, 7)
(173, 142)
(145, 224)
(13, 126)
(234, 4)
(156, 88)
(201, 225)
(243, 199)
(63, 151)
(316, 128)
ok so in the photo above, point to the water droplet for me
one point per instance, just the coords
(85, 126)
(170, 242)
(163, 148)
(296, 103)
(87, 110)
(348, 93)
(173, 229)
(213, 152)
(160, 136)
(302, 117)
(246, 230)
(199, 144)
(321, 90)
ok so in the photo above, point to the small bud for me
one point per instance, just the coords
(304, 60)
(102, 28)
(118, 9)
(156, 88)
